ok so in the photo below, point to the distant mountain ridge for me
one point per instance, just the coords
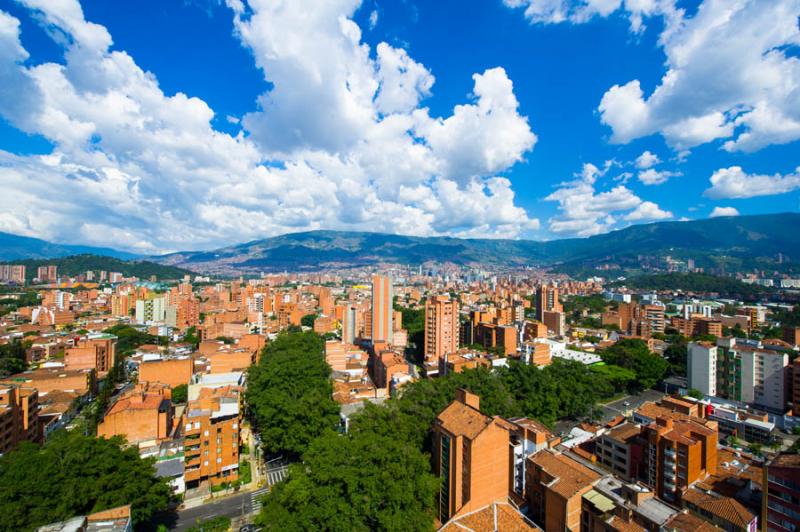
(725, 243)
(738, 242)
(15, 247)
(77, 264)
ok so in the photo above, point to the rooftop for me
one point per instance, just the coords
(726, 508)
(570, 477)
(687, 521)
(463, 420)
(624, 432)
(498, 515)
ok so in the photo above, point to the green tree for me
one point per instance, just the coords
(676, 354)
(214, 524)
(12, 358)
(180, 394)
(633, 354)
(129, 338)
(308, 320)
(360, 481)
(414, 324)
(289, 393)
(694, 392)
(75, 475)
(617, 377)
(191, 337)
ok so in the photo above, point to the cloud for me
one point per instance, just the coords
(730, 75)
(647, 210)
(733, 182)
(651, 176)
(646, 160)
(723, 211)
(403, 82)
(348, 144)
(373, 19)
(480, 138)
(582, 11)
(583, 211)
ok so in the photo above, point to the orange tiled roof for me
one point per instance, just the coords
(571, 476)
(622, 525)
(505, 516)
(137, 402)
(461, 420)
(725, 508)
(623, 433)
(686, 522)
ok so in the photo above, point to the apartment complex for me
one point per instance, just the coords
(142, 415)
(170, 371)
(382, 311)
(47, 274)
(555, 487)
(12, 273)
(19, 417)
(741, 372)
(441, 327)
(547, 301)
(211, 436)
(782, 478)
(677, 453)
(470, 456)
(96, 352)
(701, 367)
(636, 319)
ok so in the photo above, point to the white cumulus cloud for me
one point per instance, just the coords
(733, 182)
(349, 144)
(730, 75)
(651, 176)
(647, 210)
(583, 211)
(723, 211)
(646, 160)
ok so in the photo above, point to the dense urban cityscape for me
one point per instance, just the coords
(417, 265)
(395, 398)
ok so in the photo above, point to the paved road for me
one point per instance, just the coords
(233, 506)
(276, 475)
(627, 404)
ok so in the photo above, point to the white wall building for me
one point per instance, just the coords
(151, 310)
(701, 367)
(763, 377)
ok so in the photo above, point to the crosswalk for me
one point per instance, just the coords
(276, 475)
(255, 498)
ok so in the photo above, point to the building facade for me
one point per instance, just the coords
(382, 309)
(441, 327)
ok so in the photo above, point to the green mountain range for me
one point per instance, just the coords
(78, 264)
(725, 244)
(13, 247)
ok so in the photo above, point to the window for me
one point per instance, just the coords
(236, 425)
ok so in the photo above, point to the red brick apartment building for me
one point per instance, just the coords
(211, 437)
(19, 417)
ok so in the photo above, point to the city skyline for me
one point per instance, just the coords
(192, 125)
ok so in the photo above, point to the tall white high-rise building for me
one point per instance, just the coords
(701, 367)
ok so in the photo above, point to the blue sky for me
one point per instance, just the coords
(166, 125)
